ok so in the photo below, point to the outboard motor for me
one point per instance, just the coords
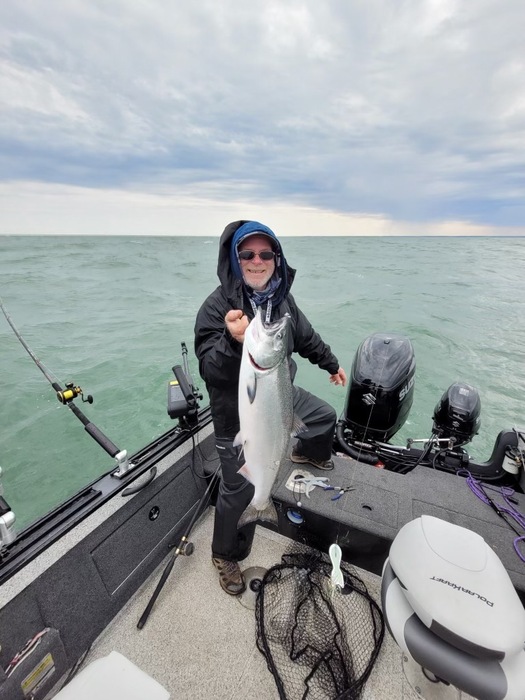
(381, 387)
(457, 414)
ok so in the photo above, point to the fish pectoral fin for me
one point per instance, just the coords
(245, 471)
(251, 387)
(298, 426)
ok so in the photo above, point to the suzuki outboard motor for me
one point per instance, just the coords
(381, 387)
(457, 414)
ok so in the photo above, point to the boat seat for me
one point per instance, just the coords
(451, 607)
(112, 677)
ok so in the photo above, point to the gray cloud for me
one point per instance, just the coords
(414, 112)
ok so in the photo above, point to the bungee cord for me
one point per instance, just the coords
(508, 512)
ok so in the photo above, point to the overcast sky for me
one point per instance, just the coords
(334, 117)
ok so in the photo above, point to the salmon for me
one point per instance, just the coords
(266, 416)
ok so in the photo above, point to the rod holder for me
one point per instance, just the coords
(7, 519)
(123, 464)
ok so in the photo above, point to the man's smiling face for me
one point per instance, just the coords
(257, 272)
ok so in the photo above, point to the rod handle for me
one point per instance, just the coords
(102, 439)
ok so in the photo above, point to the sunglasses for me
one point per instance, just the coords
(250, 254)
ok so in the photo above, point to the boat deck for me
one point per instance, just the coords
(200, 643)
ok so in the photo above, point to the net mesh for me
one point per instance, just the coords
(319, 644)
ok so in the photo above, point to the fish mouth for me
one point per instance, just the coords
(257, 366)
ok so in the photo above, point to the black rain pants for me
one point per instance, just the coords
(235, 492)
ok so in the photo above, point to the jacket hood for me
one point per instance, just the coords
(228, 268)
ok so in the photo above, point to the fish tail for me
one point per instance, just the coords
(251, 515)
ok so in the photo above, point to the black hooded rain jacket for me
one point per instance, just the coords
(219, 354)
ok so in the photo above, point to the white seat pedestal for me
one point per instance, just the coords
(112, 677)
(422, 685)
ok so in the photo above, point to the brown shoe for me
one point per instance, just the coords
(230, 576)
(324, 464)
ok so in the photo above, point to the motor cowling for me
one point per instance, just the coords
(381, 387)
(457, 414)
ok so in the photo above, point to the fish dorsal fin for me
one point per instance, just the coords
(251, 386)
(298, 426)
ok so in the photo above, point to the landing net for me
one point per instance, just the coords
(319, 644)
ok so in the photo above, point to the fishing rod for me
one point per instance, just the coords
(185, 547)
(66, 396)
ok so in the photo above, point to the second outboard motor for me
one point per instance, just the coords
(457, 414)
(381, 387)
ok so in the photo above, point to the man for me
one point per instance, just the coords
(253, 273)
